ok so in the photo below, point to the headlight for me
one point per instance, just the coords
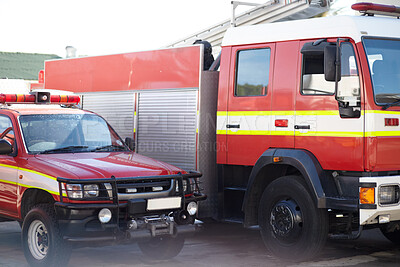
(74, 190)
(184, 184)
(91, 190)
(389, 194)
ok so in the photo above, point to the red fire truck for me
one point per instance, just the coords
(68, 178)
(295, 126)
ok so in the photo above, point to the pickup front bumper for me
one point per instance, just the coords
(141, 214)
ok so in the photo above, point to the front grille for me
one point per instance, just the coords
(143, 186)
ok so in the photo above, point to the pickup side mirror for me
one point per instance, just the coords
(5, 147)
(330, 67)
(130, 143)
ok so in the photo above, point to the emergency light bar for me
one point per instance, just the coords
(39, 98)
(379, 9)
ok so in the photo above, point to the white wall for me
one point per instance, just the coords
(14, 86)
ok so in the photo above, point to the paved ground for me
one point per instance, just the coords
(217, 245)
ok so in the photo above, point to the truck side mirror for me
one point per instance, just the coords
(330, 68)
(130, 143)
(5, 147)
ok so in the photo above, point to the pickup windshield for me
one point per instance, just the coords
(68, 133)
(384, 62)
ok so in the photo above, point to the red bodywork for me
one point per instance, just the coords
(157, 69)
(360, 153)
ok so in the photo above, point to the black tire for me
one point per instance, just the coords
(393, 236)
(292, 227)
(41, 239)
(163, 247)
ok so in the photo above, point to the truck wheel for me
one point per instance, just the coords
(162, 248)
(393, 236)
(41, 239)
(292, 227)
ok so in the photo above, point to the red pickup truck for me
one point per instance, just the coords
(67, 177)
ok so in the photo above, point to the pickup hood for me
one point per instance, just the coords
(104, 165)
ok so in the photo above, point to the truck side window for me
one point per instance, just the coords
(313, 78)
(349, 84)
(6, 130)
(252, 72)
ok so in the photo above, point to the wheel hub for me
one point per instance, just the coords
(38, 240)
(286, 220)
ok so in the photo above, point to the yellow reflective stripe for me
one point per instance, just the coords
(280, 113)
(9, 166)
(286, 133)
(292, 133)
(8, 182)
(311, 133)
(28, 186)
(317, 112)
(382, 112)
(249, 113)
(51, 192)
(28, 170)
(382, 133)
(248, 132)
(330, 134)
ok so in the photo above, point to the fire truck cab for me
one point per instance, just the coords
(308, 112)
(68, 178)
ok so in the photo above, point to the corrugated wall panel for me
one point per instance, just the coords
(116, 107)
(166, 129)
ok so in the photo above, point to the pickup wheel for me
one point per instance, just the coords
(41, 239)
(163, 247)
(292, 227)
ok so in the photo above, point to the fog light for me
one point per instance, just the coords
(389, 195)
(192, 208)
(105, 215)
(384, 218)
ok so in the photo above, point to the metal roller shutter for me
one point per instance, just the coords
(166, 127)
(116, 107)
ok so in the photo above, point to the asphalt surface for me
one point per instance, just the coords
(218, 244)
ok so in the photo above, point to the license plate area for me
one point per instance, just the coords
(164, 203)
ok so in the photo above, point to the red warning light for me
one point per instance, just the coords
(39, 98)
(379, 9)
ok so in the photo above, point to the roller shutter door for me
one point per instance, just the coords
(116, 107)
(166, 127)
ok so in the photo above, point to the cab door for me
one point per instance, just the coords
(8, 171)
(332, 132)
(249, 103)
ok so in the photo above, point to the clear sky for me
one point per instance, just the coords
(97, 27)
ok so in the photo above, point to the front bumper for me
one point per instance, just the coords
(132, 219)
(378, 213)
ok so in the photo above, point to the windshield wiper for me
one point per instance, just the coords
(385, 107)
(62, 149)
(108, 147)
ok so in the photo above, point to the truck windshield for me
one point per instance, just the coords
(68, 133)
(384, 62)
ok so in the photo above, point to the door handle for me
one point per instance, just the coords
(230, 126)
(297, 127)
